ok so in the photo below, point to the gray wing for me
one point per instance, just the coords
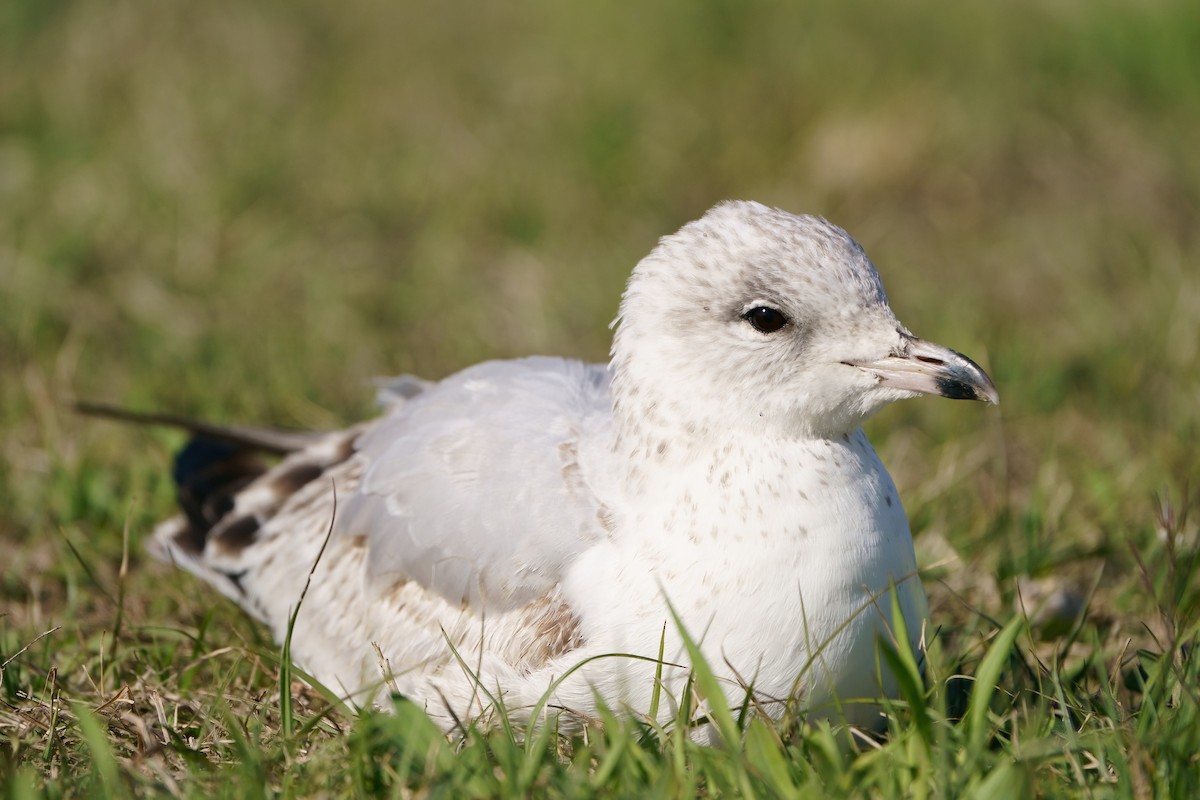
(485, 486)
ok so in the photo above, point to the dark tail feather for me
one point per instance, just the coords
(216, 463)
(266, 440)
(211, 473)
(208, 475)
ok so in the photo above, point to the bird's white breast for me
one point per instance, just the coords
(777, 559)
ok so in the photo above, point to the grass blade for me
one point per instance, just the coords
(987, 678)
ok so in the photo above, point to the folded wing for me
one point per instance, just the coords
(485, 486)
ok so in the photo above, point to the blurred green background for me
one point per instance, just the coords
(247, 210)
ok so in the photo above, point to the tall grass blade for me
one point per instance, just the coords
(987, 678)
(708, 687)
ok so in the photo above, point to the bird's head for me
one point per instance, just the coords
(751, 317)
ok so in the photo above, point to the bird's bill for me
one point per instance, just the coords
(932, 369)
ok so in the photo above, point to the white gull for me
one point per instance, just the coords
(498, 535)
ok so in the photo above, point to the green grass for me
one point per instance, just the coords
(246, 211)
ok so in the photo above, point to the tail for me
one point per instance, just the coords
(267, 440)
(216, 464)
(227, 490)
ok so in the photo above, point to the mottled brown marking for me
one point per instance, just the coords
(237, 534)
(572, 474)
(397, 589)
(555, 631)
(189, 539)
(320, 492)
(293, 479)
(345, 449)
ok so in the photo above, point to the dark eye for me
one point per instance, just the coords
(765, 320)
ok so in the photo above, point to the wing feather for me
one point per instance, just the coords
(485, 486)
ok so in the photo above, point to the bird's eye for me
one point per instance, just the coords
(765, 320)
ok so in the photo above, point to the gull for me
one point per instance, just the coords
(545, 538)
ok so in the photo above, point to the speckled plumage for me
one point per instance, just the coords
(539, 514)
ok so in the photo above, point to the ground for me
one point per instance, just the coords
(247, 211)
